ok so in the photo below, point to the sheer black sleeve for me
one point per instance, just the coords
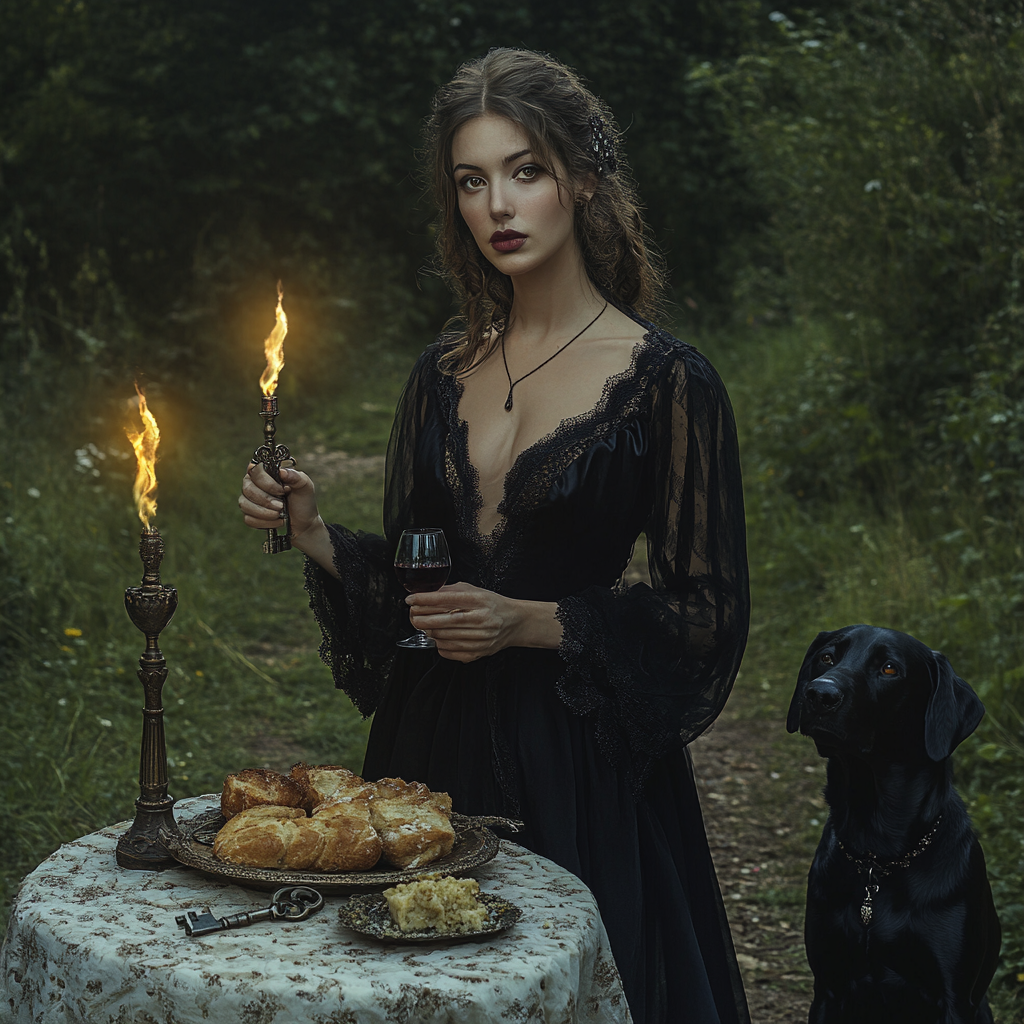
(362, 612)
(653, 665)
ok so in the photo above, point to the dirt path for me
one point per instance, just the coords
(761, 793)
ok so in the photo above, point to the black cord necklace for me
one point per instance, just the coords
(512, 383)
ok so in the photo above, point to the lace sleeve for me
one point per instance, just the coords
(653, 665)
(362, 612)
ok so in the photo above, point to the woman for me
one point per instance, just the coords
(543, 438)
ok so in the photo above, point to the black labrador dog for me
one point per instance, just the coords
(900, 926)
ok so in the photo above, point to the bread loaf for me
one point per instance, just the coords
(258, 787)
(412, 823)
(283, 837)
(353, 822)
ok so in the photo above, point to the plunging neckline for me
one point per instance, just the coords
(582, 425)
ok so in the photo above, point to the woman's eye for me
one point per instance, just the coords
(528, 173)
(472, 183)
(889, 669)
(826, 659)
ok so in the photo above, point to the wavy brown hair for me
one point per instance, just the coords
(555, 110)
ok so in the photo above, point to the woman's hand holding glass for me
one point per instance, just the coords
(468, 623)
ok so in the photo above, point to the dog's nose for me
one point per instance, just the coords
(823, 696)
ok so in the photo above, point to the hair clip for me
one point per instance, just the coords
(602, 146)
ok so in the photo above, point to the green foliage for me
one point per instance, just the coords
(886, 143)
(995, 786)
(163, 164)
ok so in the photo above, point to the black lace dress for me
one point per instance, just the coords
(586, 744)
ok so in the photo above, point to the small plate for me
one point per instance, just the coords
(369, 915)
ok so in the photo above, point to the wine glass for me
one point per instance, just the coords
(422, 564)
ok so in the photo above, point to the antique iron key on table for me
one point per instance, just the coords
(293, 903)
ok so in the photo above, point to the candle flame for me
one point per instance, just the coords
(274, 348)
(145, 445)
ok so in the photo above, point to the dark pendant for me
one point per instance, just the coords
(508, 401)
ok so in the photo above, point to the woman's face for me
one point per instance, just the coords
(510, 202)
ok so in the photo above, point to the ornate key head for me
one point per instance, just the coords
(296, 902)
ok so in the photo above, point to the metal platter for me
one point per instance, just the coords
(369, 915)
(192, 846)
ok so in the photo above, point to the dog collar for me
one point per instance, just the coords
(871, 866)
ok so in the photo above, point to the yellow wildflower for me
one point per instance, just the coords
(71, 631)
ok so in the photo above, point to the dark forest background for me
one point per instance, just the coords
(163, 164)
(839, 195)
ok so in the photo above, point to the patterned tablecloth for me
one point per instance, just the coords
(89, 941)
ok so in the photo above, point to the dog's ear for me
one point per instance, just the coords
(954, 709)
(793, 718)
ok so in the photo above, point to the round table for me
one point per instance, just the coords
(92, 942)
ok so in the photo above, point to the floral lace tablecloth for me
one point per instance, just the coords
(89, 941)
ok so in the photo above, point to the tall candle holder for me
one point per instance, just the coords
(270, 455)
(150, 607)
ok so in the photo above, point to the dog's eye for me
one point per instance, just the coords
(826, 659)
(889, 669)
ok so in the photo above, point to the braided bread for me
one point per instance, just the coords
(283, 837)
(353, 823)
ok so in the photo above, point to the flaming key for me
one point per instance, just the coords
(294, 903)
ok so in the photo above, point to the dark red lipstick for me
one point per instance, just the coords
(507, 241)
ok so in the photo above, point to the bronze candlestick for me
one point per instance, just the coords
(270, 455)
(150, 607)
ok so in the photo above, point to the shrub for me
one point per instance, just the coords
(886, 144)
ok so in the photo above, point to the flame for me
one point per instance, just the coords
(145, 445)
(274, 348)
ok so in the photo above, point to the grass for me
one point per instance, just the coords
(245, 686)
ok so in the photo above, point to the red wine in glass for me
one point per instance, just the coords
(421, 579)
(422, 564)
